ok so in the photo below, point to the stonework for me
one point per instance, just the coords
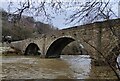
(96, 38)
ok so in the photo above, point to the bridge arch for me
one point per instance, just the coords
(32, 49)
(57, 46)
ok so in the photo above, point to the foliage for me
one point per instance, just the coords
(27, 27)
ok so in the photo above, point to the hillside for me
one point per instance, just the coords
(24, 28)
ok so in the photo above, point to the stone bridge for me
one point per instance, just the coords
(97, 38)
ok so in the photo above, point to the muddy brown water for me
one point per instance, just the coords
(65, 67)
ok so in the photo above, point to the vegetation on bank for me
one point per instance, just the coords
(25, 28)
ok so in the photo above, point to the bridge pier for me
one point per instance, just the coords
(42, 56)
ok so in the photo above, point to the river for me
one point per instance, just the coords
(65, 67)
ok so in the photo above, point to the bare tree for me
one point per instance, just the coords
(94, 11)
(90, 11)
(37, 8)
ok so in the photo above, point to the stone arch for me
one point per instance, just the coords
(57, 46)
(32, 49)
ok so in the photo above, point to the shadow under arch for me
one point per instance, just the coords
(32, 49)
(55, 49)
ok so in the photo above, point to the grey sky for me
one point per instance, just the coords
(59, 20)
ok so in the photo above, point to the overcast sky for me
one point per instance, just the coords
(59, 20)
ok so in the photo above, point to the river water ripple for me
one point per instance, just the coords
(66, 67)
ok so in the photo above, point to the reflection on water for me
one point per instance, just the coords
(66, 67)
